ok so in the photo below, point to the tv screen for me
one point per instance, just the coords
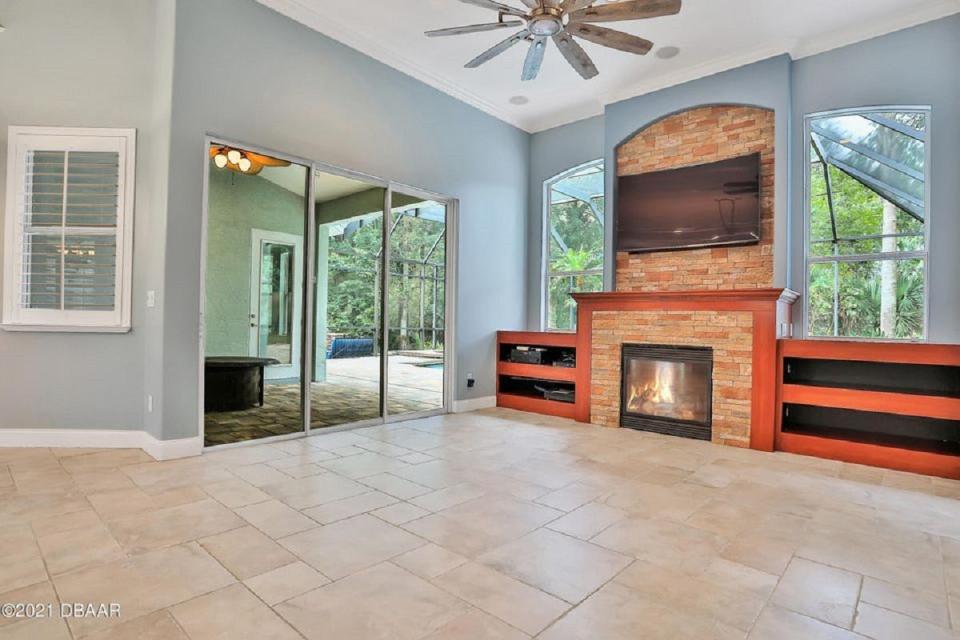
(700, 206)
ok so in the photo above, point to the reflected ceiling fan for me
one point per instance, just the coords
(564, 20)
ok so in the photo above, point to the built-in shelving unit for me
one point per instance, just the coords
(891, 405)
(523, 386)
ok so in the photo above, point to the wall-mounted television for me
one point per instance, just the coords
(705, 205)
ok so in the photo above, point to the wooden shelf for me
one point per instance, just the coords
(538, 338)
(538, 371)
(936, 464)
(536, 405)
(508, 372)
(890, 449)
(905, 404)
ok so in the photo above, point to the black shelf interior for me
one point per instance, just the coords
(921, 379)
(534, 388)
(552, 356)
(905, 432)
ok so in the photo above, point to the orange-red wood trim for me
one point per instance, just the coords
(763, 414)
(878, 401)
(540, 371)
(537, 338)
(584, 362)
(934, 464)
(898, 352)
(536, 405)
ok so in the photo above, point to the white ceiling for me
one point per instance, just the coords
(713, 35)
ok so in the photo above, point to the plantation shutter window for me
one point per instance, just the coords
(68, 231)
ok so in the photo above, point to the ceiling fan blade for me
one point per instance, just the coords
(473, 28)
(497, 49)
(629, 10)
(496, 6)
(611, 38)
(569, 6)
(534, 60)
(575, 55)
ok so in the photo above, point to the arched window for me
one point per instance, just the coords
(868, 223)
(573, 242)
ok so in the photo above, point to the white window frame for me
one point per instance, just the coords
(20, 140)
(546, 272)
(809, 260)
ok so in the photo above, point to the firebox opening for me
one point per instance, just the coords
(667, 389)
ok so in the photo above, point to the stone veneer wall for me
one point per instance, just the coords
(730, 333)
(698, 136)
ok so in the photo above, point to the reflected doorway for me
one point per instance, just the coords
(276, 301)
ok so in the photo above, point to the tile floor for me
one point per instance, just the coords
(491, 525)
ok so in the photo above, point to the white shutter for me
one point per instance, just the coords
(69, 229)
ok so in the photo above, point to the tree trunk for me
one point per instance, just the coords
(888, 274)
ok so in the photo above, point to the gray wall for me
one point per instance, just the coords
(916, 66)
(312, 97)
(96, 63)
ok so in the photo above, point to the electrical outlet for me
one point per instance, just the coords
(151, 298)
(471, 381)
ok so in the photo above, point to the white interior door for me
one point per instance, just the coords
(276, 301)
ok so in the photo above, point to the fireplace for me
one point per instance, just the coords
(667, 389)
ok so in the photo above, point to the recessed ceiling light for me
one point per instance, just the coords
(519, 100)
(665, 53)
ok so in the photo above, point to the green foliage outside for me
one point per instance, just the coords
(354, 283)
(577, 226)
(856, 286)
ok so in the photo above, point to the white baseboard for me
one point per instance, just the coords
(102, 439)
(474, 404)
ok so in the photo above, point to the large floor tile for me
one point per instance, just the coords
(173, 525)
(662, 542)
(383, 602)
(349, 507)
(143, 583)
(68, 550)
(275, 518)
(342, 548)
(246, 552)
(234, 613)
(518, 604)
(776, 623)
(477, 625)
(283, 583)
(883, 624)
(825, 593)
(302, 493)
(155, 626)
(563, 566)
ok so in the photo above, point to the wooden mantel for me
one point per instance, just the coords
(771, 309)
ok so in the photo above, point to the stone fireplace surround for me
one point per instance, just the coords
(717, 297)
(741, 325)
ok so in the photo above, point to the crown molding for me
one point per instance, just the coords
(796, 49)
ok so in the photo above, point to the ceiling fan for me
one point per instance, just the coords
(564, 20)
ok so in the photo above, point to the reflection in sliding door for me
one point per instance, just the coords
(345, 383)
(415, 305)
(253, 307)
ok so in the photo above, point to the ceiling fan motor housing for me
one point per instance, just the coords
(546, 22)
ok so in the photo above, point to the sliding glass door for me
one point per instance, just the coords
(346, 379)
(253, 296)
(416, 304)
(325, 299)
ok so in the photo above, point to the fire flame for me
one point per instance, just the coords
(658, 391)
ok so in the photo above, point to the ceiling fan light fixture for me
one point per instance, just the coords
(234, 156)
(546, 25)
(220, 160)
(244, 164)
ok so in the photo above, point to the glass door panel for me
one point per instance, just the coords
(253, 309)
(345, 385)
(416, 303)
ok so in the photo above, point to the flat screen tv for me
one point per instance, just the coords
(705, 205)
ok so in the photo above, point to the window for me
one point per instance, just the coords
(69, 229)
(573, 242)
(868, 224)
